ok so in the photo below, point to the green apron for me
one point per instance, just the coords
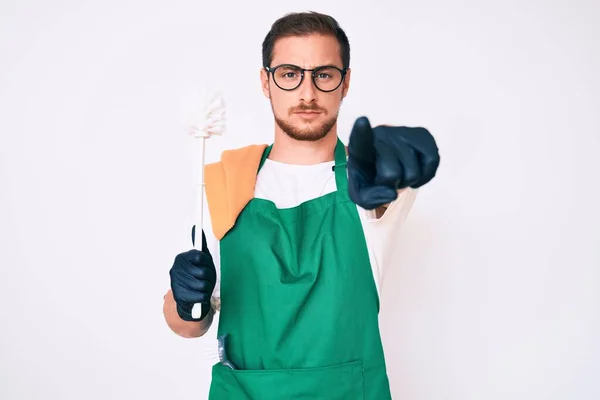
(299, 303)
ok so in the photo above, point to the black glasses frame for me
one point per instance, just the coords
(313, 72)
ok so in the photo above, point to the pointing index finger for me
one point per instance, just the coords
(361, 143)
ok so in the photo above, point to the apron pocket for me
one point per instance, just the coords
(337, 382)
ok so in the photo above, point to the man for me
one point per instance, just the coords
(305, 228)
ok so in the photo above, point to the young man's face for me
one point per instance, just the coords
(305, 113)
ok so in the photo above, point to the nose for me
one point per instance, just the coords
(308, 91)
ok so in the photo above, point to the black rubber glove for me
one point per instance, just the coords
(193, 279)
(384, 159)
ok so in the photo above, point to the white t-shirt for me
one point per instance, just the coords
(289, 185)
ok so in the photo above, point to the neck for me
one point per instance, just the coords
(290, 151)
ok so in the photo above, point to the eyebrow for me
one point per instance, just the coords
(331, 64)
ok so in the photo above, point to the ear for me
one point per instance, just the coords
(346, 84)
(264, 82)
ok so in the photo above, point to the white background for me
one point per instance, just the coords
(495, 291)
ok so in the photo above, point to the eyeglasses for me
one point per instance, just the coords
(289, 77)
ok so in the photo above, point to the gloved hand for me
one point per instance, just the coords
(384, 159)
(193, 279)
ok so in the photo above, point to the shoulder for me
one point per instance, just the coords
(229, 185)
(242, 156)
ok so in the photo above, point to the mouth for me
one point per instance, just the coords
(308, 114)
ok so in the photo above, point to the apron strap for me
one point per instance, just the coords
(341, 176)
(264, 157)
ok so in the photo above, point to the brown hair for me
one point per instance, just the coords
(302, 24)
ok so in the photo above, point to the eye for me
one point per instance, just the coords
(288, 73)
(327, 74)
